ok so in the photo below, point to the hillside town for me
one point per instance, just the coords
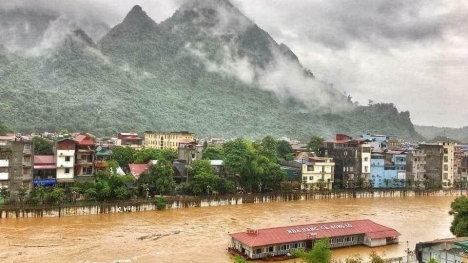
(368, 161)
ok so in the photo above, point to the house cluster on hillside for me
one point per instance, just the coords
(368, 161)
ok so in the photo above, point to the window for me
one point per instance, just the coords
(445, 167)
(270, 249)
(445, 176)
(67, 170)
(304, 178)
(67, 158)
(258, 251)
(310, 168)
(366, 159)
(88, 170)
(27, 147)
(311, 178)
(445, 159)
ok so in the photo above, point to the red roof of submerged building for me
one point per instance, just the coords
(287, 234)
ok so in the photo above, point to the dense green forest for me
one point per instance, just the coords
(146, 76)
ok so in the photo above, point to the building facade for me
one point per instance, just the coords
(271, 242)
(352, 158)
(129, 139)
(16, 164)
(416, 166)
(84, 163)
(318, 173)
(167, 140)
(65, 160)
(439, 164)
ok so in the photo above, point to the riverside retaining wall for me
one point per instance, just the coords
(204, 201)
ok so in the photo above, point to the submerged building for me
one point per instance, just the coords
(278, 241)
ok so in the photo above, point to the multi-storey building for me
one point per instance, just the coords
(395, 167)
(65, 160)
(45, 170)
(352, 159)
(459, 167)
(190, 152)
(130, 139)
(84, 163)
(167, 140)
(102, 155)
(388, 169)
(318, 173)
(378, 170)
(439, 164)
(16, 162)
(5, 153)
(416, 166)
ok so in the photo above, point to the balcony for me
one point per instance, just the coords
(85, 162)
(27, 164)
(100, 164)
(66, 165)
(85, 150)
(27, 177)
(3, 176)
(4, 163)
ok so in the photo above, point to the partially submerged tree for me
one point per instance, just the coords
(320, 253)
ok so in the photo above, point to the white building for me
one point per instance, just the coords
(318, 173)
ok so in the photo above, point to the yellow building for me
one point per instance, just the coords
(318, 173)
(167, 140)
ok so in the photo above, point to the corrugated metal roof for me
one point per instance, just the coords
(278, 235)
(43, 160)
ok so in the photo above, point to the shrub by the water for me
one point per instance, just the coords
(160, 203)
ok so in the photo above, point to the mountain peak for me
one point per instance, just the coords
(137, 15)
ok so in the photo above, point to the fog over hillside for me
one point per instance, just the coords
(206, 68)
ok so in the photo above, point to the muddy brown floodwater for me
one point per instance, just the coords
(201, 234)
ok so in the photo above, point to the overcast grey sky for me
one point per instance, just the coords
(411, 53)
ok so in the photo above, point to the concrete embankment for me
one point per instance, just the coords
(22, 211)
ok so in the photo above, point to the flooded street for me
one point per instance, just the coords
(201, 234)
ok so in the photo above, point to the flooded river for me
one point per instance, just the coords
(201, 234)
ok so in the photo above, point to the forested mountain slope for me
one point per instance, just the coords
(207, 69)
